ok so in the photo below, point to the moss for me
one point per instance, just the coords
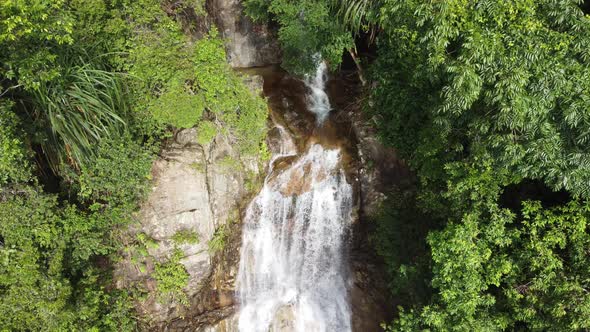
(198, 166)
(253, 182)
(229, 164)
(185, 236)
(206, 132)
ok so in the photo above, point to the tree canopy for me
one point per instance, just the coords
(488, 103)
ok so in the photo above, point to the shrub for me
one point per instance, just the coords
(219, 240)
(186, 236)
(171, 278)
(206, 132)
(119, 173)
(14, 163)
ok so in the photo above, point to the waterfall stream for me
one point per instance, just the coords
(293, 270)
(319, 103)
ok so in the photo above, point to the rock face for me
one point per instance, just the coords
(196, 188)
(249, 44)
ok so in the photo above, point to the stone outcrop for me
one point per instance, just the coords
(249, 44)
(197, 188)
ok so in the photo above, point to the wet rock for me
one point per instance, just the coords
(283, 320)
(229, 324)
(378, 170)
(369, 300)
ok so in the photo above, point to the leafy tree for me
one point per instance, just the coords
(14, 161)
(400, 238)
(478, 97)
(307, 32)
(30, 30)
(493, 277)
(476, 78)
(47, 281)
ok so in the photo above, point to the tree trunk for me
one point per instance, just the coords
(361, 74)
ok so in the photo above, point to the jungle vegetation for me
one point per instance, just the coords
(488, 103)
(89, 90)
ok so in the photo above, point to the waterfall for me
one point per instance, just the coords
(293, 271)
(286, 147)
(318, 101)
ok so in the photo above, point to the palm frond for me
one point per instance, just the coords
(355, 14)
(86, 106)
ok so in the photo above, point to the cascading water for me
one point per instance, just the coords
(293, 270)
(318, 102)
(287, 147)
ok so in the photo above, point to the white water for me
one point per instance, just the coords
(318, 101)
(286, 147)
(293, 273)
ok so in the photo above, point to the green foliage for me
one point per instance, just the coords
(198, 6)
(14, 158)
(478, 97)
(138, 250)
(146, 242)
(488, 79)
(78, 111)
(307, 32)
(171, 278)
(29, 228)
(400, 238)
(357, 15)
(158, 64)
(86, 86)
(177, 106)
(229, 165)
(264, 152)
(227, 97)
(552, 288)
(199, 166)
(46, 255)
(206, 132)
(119, 173)
(494, 277)
(25, 25)
(217, 243)
(253, 181)
(187, 84)
(185, 236)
